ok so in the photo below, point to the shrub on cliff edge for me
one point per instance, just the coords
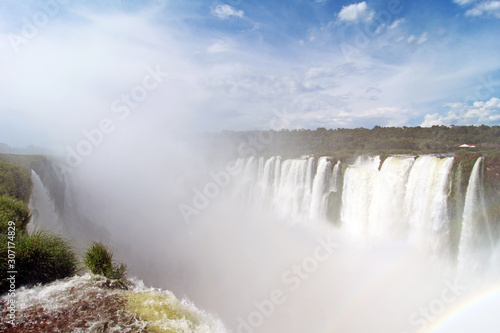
(99, 260)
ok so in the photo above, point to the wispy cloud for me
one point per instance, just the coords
(488, 9)
(464, 2)
(418, 40)
(221, 46)
(481, 8)
(396, 23)
(423, 38)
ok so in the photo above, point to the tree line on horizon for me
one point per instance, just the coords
(378, 140)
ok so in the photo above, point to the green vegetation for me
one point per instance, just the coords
(15, 190)
(12, 209)
(99, 260)
(26, 162)
(344, 143)
(39, 258)
(15, 182)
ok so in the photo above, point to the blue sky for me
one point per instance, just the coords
(239, 64)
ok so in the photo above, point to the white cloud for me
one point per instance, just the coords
(479, 113)
(399, 39)
(419, 40)
(486, 8)
(355, 13)
(226, 11)
(423, 38)
(380, 28)
(464, 2)
(396, 23)
(226, 82)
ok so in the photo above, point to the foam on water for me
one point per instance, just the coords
(87, 304)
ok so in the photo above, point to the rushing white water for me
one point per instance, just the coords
(359, 182)
(426, 203)
(404, 196)
(387, 205)
(325, 182)
(475, 240)
(292, 187)
(85, 304)
(42, 208)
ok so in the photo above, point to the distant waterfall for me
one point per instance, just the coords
(402, 196)
(476, 234)
(56, 206)
(43, 212)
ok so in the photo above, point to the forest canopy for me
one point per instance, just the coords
(378, 140)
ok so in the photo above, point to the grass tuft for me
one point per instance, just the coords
(39, 258)
(99, 260)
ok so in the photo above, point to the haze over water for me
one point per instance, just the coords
(117, 89)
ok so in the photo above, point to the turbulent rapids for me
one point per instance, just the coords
(86, 304)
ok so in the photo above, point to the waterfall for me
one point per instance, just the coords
(308, 188)
(323, 184)
(42, 208)
(357, 192)
(405, 196)
(389, 189)
(250, 174)
(426, 203)
(56, 206)
(372, 199)
(292, 187)
(266, 182)
(475, 239)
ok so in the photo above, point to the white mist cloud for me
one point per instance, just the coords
(66, 78)
(355, 13)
